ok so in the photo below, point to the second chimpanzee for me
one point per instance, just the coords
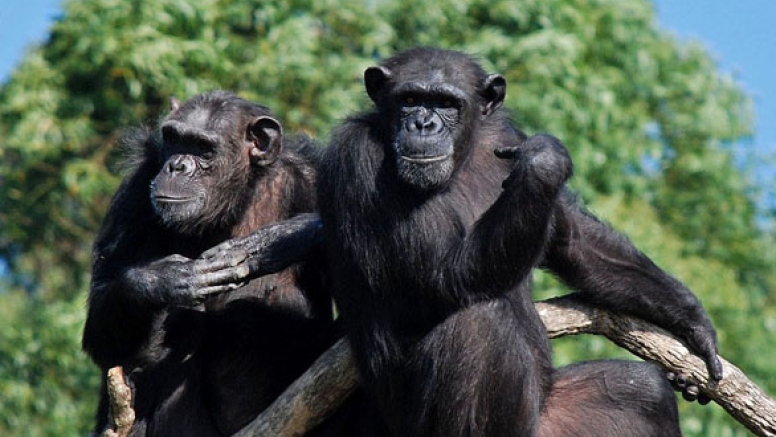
(203, 356)
(435, 209)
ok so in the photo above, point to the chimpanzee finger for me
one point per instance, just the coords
(704, 344)
(691, 393)
(714, 366)
(680, 382)
(220, 250)
(217, 289)
(175, 258)
(220, 261)
(231, 275)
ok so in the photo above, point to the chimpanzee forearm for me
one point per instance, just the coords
(507, 241)
(271, 248)
(116, 328)
(611, 272)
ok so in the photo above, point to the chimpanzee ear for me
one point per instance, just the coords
(494, 89)
(175, 104)
(375, 79)
(264, 136)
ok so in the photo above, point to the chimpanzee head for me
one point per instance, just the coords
(211, 149)
(435, 100)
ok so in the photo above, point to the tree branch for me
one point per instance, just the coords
(739, 396)
(122, 416)
(333, 377)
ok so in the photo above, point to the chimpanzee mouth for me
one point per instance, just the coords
(173, 199)
(422, 159)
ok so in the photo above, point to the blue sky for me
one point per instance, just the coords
(741, 35)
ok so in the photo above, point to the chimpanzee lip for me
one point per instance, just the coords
(173, 199)
(423, 159)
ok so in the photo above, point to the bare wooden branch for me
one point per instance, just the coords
(739, 396)
(332, 379)
(122, 416)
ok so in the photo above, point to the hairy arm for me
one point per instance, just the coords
(516, 226)
(267, 250)
(611, 272)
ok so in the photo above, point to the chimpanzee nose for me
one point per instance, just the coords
(180, 164)
(424, 122)
(425, 125)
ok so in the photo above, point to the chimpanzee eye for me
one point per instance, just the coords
(409, 100)
(447, 103)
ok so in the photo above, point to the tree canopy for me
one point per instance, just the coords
(650, 121)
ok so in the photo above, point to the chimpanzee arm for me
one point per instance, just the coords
(177, 280)
(515, 227)
(611, 272)
(125, 301)
(267, 250)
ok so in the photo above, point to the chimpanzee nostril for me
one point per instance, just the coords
(425, 123)
(180, 164)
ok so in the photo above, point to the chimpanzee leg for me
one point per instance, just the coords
(610, 399)
(474, 374)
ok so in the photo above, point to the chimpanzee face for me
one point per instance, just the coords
(207, 152)
(434, 108)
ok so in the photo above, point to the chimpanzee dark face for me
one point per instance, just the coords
(434, 111)
(180, 190)
(209, 152)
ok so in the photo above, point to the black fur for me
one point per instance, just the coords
(432, 240)
(203, 357)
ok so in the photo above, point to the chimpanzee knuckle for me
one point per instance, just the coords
(209, 265)
(176, 258)
(225, 276)
(236, 257)
(211, 253)
(691, 393)
(218, 251)
(242, 272)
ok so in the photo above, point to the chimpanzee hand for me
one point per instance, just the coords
(544, 156)
(690, 392)
(702, 339)
(269, 249)
(177, 280)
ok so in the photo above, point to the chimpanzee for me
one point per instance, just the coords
(204, 357)
(435, 209)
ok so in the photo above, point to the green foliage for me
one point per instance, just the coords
(649, 122)
(42, 369)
